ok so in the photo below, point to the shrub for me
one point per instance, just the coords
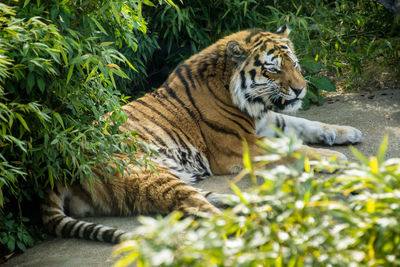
(58, 67)
(297, 216)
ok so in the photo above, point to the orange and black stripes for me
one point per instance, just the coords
(211, 125)
(172, 94)
(173, 127)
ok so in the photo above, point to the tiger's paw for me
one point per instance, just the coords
(337, 134)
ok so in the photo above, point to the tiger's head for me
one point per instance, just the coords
(266, 72)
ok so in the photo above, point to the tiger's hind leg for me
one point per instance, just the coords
(140, 192)
(162, 192)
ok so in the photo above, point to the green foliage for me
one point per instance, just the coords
(14, 234)
(297, 216)
(59, 74)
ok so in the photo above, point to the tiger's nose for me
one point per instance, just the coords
(297, 91)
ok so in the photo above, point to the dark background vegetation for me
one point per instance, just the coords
(63, 64)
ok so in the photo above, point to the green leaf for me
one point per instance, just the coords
(323, 83)
(247, 162)
(21, 246)
(10, 122)
(238, 192)
(173, 4)
(359, 156)
(41, 84)
(18, 142)
(23, 122)
(246, 157)
(26, 3)
(99, 26)
(70, 71)
(59, 119)
(310, 64)
(64, 56)
(106, 44)
(112, 79)
(382, 149)
(148, 2)
(50, 177)
(11, 243)
(127, 260)
(115, 13)
(30, 81)
(313, 97)
(127, 62)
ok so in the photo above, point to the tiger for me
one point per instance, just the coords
(239, 88)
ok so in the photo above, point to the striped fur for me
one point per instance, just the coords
(196, 121)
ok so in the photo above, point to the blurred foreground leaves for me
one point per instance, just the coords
(294, 218)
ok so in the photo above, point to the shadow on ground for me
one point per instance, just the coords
(375, 114)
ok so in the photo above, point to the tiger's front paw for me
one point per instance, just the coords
(337, 134)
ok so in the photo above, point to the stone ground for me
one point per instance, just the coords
(375, 113)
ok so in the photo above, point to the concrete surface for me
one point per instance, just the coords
(374, 113)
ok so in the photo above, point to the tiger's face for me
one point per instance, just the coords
(266, 74)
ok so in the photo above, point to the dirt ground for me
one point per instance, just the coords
(375, 113)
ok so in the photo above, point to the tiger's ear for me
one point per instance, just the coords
(284, 31)
(235, 51)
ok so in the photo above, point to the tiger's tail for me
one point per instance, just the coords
(58, 223)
